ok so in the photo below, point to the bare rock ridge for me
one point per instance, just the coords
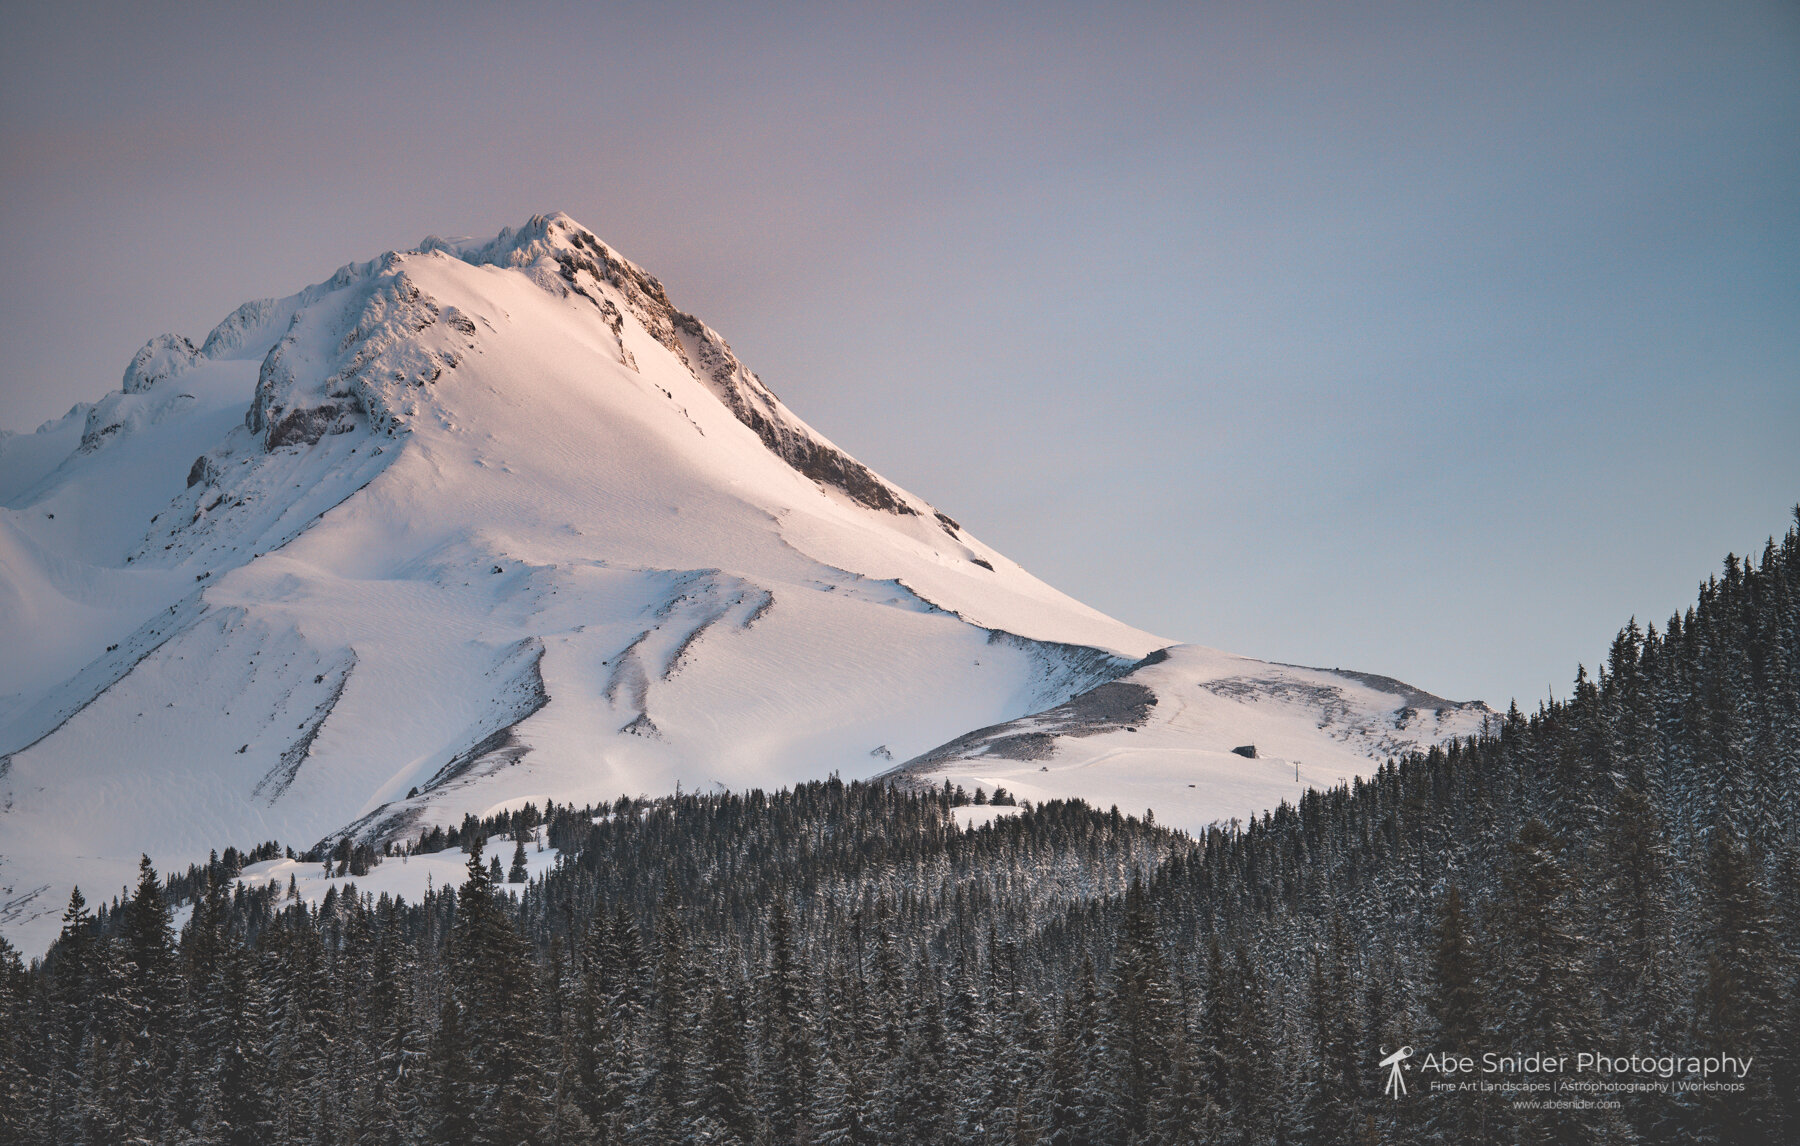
(1113, 706)
(1415, 698)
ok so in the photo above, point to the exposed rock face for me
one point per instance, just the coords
(328, 373)
(1108, 707)
(164, 356)
(319, 381)
(204, 470)
(355, 361)
(787, 437)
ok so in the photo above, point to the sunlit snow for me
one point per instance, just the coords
(487, 521)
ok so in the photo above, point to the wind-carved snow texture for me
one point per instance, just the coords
(279, 778)
(68, 700)
(519, 693)
(698, 600)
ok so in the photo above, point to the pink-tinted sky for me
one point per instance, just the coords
(1426, 339)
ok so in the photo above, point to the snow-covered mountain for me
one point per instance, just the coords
(481, 523)
(1199, 736)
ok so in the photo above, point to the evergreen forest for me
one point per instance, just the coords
(1616, 872)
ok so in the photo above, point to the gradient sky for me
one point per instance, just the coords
(1432, 340)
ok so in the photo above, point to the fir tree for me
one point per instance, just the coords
(1740, 997)
(1141, 1019)
(1456, 1001)
(721, 1111)
(497, 990)
(788, 1048)
(1332, 1091)
(457, 1088)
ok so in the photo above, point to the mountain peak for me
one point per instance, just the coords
(377, 345)
(496, 521)
(541, 237)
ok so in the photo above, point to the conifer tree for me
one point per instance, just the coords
(1070, 1122)
(1141, 1020)
(235, 1106)
(1332, 1092)
(457, 1089)
(835, 1104)
(923, 1102)
(497, 991)
(786, 1040)
(1740, 1001)
(1543, 993)
(16, 1041)
(1455, 1000)
(721, 1109)
(1633, 965)
(69, 1021)
(670, 1026)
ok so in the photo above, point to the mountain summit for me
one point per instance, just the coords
(482, 523)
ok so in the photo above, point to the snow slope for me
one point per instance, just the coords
(1165, 738)
(409, 878)
(463, 525)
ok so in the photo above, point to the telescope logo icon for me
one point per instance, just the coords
(1394, 1064)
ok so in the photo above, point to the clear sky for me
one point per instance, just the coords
(1431, 339)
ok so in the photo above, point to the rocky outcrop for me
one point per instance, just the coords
(354, 361)
(1109, 707)
(164, 356)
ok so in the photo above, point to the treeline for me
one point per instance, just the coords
(1616, 873)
